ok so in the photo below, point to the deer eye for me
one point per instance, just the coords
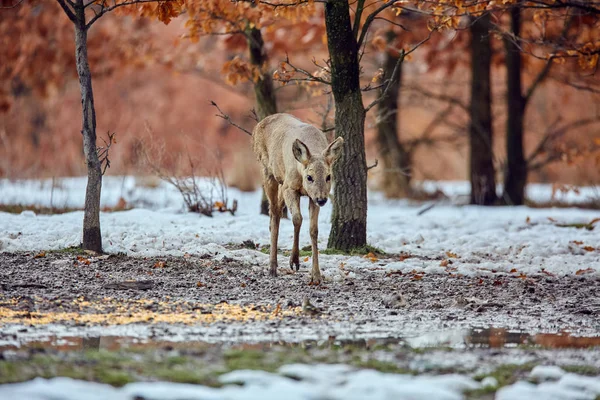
(309, 178)
(328, 178)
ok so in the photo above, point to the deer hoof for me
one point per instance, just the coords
(294, 261)
(273, 271)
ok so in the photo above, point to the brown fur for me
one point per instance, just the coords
(295, 161)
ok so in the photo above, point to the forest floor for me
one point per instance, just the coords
(197, 298)
(120, 320)
(448, 302)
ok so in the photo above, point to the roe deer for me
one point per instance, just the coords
(296, 161)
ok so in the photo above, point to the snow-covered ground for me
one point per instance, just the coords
(477, 240)
(321, 381)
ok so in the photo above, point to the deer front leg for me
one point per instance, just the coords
(292, 200)
(272, 189)
(313, 211)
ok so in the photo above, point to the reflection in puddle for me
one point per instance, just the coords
(481, 338)
(498, 337)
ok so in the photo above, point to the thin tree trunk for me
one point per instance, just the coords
(515, 176)
(482, 175)
(349, 218)
(266, 102)
(396, 161)
(92, 238)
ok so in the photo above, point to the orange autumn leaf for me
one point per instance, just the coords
(451, 254)
(584, 271)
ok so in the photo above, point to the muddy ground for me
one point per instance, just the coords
(197, 298)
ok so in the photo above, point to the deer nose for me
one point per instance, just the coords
(321, 202)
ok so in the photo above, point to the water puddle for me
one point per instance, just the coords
(473, 338)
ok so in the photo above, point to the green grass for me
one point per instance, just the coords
(73, 250)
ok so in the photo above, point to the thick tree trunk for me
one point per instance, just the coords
(515, 175)
(396, 161)
(482, 176)
(92, 238)
(349, 218)
(266, 102)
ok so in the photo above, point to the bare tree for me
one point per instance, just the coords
(75, 10)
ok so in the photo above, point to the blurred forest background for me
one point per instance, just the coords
(153, 83)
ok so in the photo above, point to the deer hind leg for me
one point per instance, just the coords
(292, 200)
(313, 211)
(272, 189)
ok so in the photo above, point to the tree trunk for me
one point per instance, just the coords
(515, 176)
(396, 161)
(482, 176)
(266, 102)
(349, 218)
(92, 238)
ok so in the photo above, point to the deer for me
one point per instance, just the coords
(296, 160)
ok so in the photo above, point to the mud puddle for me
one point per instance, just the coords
(492, 338)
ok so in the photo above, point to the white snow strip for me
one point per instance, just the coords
(322, 381)
(568, 387)
(478, 240)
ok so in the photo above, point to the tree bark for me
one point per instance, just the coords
(395, 159)
(266, 102)
(515, 175)
(482, 175)
(92, 238)
(349, 218)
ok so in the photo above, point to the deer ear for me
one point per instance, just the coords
(334, 150)
(301, 152)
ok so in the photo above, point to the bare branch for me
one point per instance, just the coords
(12, 6)
(103, 151)
(538, 79)
(70, 13)
(228, 118)
(376, 163)
(552, 135)
(116, 5)
(389, 84)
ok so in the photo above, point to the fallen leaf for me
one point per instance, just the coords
(243, 284)
(444, 263)
(589, 248)
(306, 259)
(512, 271)
(200, 284)
(584, 271)
(527, 220)
(40, 255)
(83, 260)
(577, 242)
(160, 264)
(451, 254)
(551, 219)
(547, 273)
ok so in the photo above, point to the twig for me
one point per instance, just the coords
(103, 151)
(424, 210)
(11, 6)
(228, 118)
(374, 165)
